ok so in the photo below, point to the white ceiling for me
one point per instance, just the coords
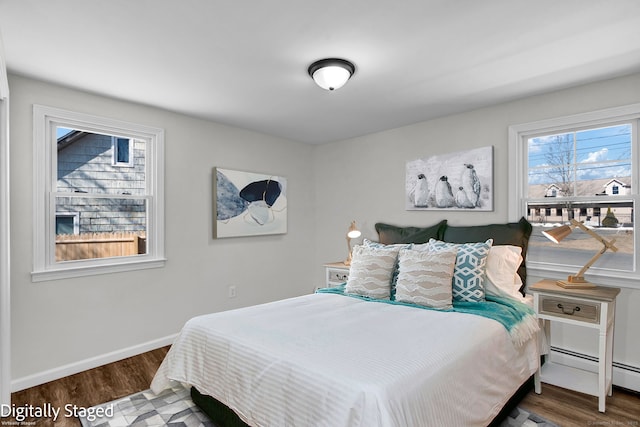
(244, 63)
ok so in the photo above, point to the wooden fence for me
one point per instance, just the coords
(99, 245)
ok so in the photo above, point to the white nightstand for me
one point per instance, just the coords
(337, 273)
(592, 308)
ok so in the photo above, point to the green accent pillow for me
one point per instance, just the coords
(392, 234)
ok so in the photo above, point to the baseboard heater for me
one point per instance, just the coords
(625, 376)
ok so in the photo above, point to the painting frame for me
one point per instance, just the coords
(248, 203)
(457, 181)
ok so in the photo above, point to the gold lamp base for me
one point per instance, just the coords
(575, 282)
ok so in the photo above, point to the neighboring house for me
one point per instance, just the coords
(557, 210)
(616, 187)
(100, 165)
(553, 191)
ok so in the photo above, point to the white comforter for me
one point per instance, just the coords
(331, 360)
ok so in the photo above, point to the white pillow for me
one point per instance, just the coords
(502, 271)
(371, 271)
(424, 277)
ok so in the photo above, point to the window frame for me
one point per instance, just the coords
(518, 180)
(45, 267)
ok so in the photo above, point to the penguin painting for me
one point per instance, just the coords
(471, 184)
(421, 192)
(444, 195)
(462, 201)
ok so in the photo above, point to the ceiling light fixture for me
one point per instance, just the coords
(331, 73)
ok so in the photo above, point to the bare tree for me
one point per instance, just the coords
(559, 157)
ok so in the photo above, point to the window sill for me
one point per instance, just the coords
(93, 270)
(622, 279)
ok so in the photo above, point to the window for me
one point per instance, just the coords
(67, 223)
(93, 216)
(121, 151)
(592, 162)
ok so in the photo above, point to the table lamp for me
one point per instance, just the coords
(558, 233)
(352, 233)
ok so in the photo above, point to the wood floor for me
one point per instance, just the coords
(567, 408)
(92, 387)
(563, 407)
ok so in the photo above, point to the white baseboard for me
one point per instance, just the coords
(624, 376)
(83, 365)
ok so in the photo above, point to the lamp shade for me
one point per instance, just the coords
(353, 232)
(331, 73)
(558, 233)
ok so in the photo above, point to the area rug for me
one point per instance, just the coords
(521, 418)
(174, 407)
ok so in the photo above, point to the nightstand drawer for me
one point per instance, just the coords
(570, 308)
(337, 275)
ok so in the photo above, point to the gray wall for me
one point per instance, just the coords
(64, 322)
(363, 179)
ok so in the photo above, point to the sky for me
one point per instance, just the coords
(596, 154)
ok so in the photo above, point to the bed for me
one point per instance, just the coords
(341, 357)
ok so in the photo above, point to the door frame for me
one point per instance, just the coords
(5, 257)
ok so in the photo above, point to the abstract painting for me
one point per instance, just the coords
(248, 203)
(456, 181)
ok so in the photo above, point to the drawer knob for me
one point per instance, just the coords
(565, 311)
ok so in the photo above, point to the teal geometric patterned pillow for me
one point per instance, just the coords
(469, 273)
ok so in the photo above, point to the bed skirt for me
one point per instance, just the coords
(223, 416)
(219, 413)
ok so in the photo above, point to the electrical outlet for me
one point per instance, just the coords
(232, 291)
